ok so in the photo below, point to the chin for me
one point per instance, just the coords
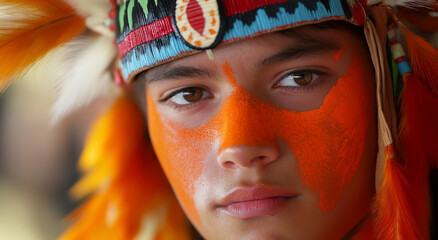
(276, 227)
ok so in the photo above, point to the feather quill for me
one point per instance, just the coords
(25, 40)
(86, 74)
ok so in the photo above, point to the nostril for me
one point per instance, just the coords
(229, 164)
(261, 159)
(247, 156)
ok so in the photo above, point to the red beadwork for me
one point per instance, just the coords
(233, 7)
(146, 34)
(401, 59)
(112, 13)
(195, 16)
(118, 79)
(392, 42)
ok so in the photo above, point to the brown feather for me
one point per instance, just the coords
(24, 41)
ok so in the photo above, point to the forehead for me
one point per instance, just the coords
(317, 37)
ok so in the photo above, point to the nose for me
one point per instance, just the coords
(244, 156)
(248, 136)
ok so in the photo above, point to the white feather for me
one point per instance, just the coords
(13, 14)
(87, 74)
(96, 13)
(96, 8)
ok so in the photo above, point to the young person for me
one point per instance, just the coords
(271, 120)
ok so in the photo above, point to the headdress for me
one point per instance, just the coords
(129, 195)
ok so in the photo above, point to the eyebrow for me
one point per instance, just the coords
(299, 50)
(303, 46)
(177, 72)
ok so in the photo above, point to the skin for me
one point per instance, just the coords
(248, 126)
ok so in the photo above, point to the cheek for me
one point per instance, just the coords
(181, 153)
(328, 143)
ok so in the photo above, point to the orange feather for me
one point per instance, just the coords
(126, 183)
(423, 59)
(34, 29)
(421, 96)
(419, 110)
(403, 203)
(397, 205)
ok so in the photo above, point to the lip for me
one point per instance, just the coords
(245, 203)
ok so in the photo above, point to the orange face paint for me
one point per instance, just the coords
(328, 142)
(338, 55)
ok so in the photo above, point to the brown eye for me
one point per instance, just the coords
(188, 95)
(302, 78)
(192, 94)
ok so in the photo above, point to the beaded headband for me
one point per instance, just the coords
(150, 33)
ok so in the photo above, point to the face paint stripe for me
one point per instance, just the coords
(167, 140)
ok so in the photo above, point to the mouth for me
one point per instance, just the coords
(245, 203)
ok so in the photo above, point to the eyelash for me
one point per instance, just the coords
(181, 107)
(312, 85)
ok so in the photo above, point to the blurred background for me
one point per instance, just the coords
(38, 160)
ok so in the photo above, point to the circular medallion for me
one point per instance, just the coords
(199, 22)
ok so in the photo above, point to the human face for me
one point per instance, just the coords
(275, 138)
